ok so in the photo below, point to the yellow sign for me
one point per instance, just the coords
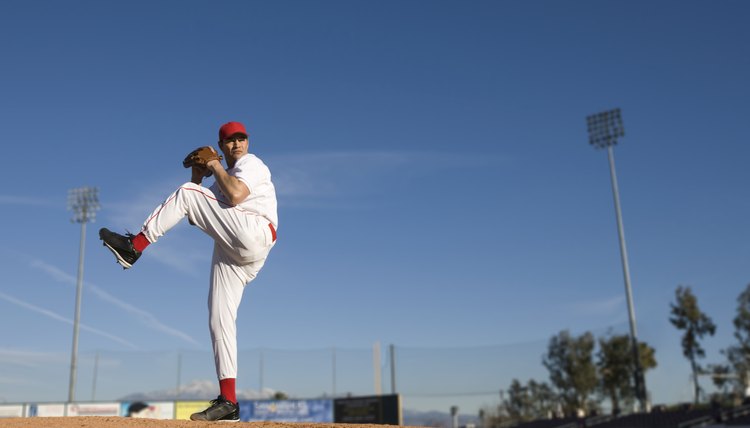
(183, 409)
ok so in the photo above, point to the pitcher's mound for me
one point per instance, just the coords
(118, 422)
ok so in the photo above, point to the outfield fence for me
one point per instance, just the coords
(471, 378)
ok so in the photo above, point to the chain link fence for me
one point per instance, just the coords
(426, 378)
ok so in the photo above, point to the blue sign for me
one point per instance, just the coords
(287, 410)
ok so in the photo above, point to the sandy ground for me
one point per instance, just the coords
(117, 422)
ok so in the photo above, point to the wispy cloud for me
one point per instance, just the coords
(12, 381)
(182, 258)
(144, 317)
(607, 306)
(131, 209)
(28, 358)
(61, 318)
(332, 173)
(28, 201)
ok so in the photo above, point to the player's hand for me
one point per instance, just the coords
(212, 165)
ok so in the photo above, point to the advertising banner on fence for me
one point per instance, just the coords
(94, 409)
(48, 410)
(287, 410)
(183, 409)
(11, 410)
(147, 409)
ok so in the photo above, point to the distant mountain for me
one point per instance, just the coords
(195, 390)
(436, 419)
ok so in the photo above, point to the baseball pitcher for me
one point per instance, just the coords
(239, 212)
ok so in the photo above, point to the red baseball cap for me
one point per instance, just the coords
(230, 128)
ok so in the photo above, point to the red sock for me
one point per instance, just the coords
(227, 387)
(140, 242)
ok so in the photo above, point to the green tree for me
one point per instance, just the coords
(572, 371)
(687, 316)
(534, 400)
(739, 354)
(616, 368)
(518, 404)
(720, 374)
(543, 399)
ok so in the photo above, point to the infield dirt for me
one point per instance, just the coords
(117, 422)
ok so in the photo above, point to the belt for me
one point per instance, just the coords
(273, 231)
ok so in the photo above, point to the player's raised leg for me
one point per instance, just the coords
(121, 246)
(189, 200)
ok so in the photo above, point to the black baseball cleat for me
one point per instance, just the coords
(121, 246)
(221, 410)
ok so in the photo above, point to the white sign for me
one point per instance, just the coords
(11, 411)
(94, 409)
(45, 410)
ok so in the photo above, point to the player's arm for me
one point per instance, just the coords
(234, 189)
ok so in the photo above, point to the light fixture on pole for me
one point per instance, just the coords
(454, 416)
(84, 202)
(604, 130)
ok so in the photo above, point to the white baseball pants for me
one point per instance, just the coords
(242, 241)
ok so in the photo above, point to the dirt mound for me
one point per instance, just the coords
(118, 422)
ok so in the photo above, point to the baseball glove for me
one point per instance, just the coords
(201, 156)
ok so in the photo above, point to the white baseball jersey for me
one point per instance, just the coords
(243, 236)
(257, 177)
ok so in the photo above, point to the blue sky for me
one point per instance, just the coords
(435, 183)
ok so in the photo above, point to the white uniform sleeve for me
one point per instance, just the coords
(253, 172)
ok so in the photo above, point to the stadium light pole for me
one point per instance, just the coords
(604, 129)
(84, 202)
